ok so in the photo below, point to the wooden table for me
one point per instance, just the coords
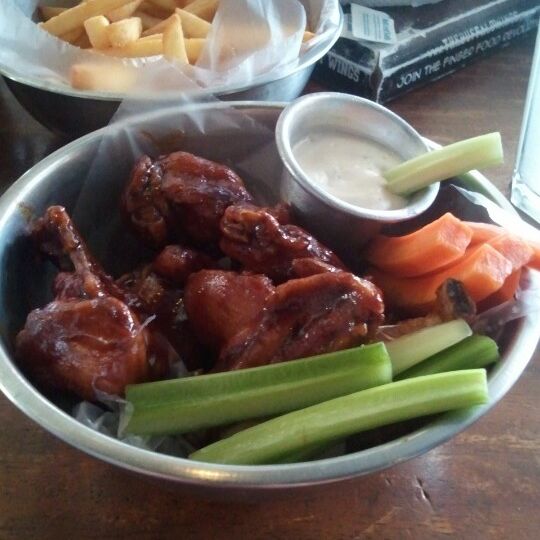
(485, 483)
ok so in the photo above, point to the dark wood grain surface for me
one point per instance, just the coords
(485, 483)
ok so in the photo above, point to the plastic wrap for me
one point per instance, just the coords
(248, 39)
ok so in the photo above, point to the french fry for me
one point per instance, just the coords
(147, 20)
(48, 12)
(169, 5)
(176, 29)
(83, 42)
(106, 78)
(153, 10)
(152, 37)
(96, 29)
(194, 47)
(157, 28)
(174, 47)
(205, 9)
(136, 49)
(123, 12)
(72, 36)
(153, 46)
(125, 31)
(193, 25)
(74, 17)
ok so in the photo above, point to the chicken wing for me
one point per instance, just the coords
(176, 263)
(304, 317)
(88, 339)
(219, 304)
(57, 238)
(453, 302)
(255, 238)
(162, 299)
(180, 197)
(309, 267)
(84, 346)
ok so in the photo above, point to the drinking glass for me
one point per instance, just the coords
(526, 175)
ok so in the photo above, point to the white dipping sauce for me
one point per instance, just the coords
(350, 168)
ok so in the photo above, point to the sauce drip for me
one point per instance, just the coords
(350, 168)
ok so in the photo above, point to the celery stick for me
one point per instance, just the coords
(270, 441)
(183, 405)
(445, 162)
(304, 454)
(472, 352)
(407, 351)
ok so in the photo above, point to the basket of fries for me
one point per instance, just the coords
(80, 59)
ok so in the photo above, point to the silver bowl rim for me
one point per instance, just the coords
(421, 202)
(312, 56)
(237, 477)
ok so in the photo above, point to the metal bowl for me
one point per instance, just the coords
(76, 112)
(57, 180)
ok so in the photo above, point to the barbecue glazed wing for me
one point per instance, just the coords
(176, 263)
(310, 266)
(87, 339)
(255, 238)
(57, 237)
(304, 317)
(84, 346)
(157, 289)
(219, 304)
(453, 302)
(180, 197)
(162, 299)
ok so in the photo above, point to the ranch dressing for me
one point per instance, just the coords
(350, 168)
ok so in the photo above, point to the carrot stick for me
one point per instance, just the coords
(516, 250)
(535, 261)
(434, 246)
(482, 272)
(484, 232)
(519, 253)
(506, 293)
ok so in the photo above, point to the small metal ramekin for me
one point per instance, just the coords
(327, 215)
